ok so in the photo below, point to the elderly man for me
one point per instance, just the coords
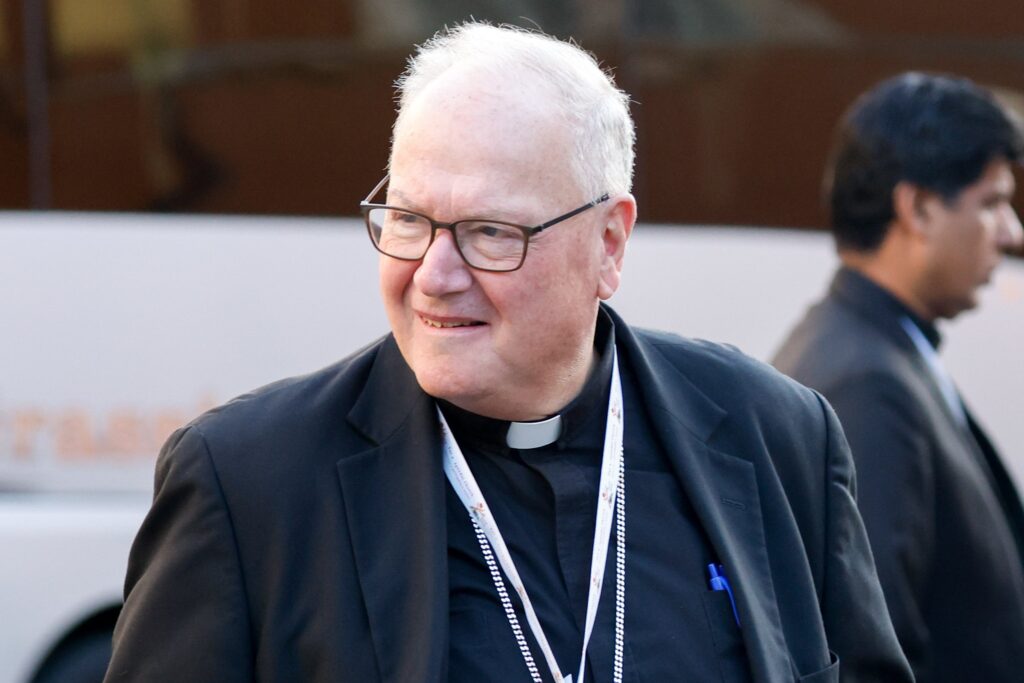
(920, 195)
(514, 485)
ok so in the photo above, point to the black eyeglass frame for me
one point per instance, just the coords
(366, 206)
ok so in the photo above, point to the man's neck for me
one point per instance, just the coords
(875, 267)
(535, 405)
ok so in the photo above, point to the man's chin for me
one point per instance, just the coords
(958, 307)
(450, 386)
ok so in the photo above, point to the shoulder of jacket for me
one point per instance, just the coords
(722, 371)
(292, 403)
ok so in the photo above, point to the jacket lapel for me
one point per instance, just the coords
(395, 508)
(724, 492)
(1006, 490)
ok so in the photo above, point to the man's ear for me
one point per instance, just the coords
(619, 221)
(912, 208)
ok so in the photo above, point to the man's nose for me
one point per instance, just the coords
(1011, 235)
(442, 270)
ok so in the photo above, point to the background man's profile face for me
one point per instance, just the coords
(966, 238)
(468, 147)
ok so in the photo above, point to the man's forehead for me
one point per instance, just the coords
(462, 123)
(497, 97)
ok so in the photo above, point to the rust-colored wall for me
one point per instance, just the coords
(281, 112)
(743, 137)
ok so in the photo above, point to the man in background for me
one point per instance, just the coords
(919, 186)
(514, 485)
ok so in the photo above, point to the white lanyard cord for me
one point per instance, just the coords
(620, 575)
(610, 502)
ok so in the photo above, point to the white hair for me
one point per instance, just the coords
(595, 110)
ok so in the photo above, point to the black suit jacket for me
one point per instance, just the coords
(941, 512)
(298, 533)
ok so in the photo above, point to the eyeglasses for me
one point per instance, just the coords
(494, 246)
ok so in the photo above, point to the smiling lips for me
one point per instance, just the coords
(441, 323)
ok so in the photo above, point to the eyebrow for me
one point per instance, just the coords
(492, 213)
(1001, 194)
(402, 196)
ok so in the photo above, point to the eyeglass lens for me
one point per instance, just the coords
(484, 244)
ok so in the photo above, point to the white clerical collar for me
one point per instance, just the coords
(524, 435)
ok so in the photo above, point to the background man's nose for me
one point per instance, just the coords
(1011, 235)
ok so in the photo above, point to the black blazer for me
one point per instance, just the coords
(941, 511)
(298, 532)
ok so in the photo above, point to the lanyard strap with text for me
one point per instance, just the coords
(610, 491)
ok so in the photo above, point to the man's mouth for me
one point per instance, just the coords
(446, 324)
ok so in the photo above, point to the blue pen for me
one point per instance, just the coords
(719, 582)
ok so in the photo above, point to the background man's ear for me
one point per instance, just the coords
(912, 208)
(619, 221)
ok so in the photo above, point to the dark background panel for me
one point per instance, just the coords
(259, 106)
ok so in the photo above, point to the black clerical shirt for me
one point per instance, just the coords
(544, 501)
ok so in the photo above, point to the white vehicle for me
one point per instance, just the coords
(117, 329)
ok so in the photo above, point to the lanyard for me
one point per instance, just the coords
(611, 498)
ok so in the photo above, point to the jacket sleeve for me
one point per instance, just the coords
(185, 616)
(897, 498)
(853, 608)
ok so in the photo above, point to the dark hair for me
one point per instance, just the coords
(937, 132)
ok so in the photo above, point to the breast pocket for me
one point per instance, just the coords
(829, 674)
(727, 637)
